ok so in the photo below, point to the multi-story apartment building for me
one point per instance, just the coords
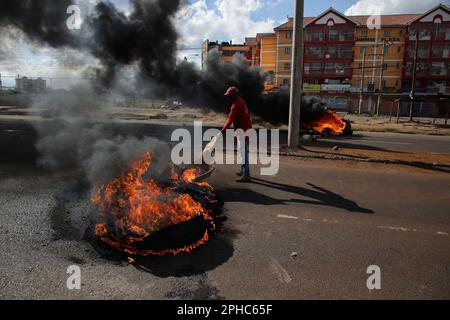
(383, 49)
(283, 50)
(431, 33)
(379, 56)
(283, 57)
(229, 50)
(328, 56)
(346, 57)
(340, 51)
(266, 50)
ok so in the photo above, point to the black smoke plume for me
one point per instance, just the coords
(146, 39)
(43, 21)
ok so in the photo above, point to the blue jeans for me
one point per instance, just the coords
(244, 151)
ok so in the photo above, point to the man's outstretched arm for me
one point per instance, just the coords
(231, 117)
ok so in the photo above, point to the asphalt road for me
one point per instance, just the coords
(339, 217)
(24, 132)
(392, 141)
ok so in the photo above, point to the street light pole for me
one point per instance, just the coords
(411, 95)
(296, 77)
(362, 81)
(381, 79)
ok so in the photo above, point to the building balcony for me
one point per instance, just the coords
(438, 90)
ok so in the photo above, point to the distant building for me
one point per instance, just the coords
(267, 57)
(28, 85)
(334, 47)
(433, 59)
(229, 50)
(344, 56)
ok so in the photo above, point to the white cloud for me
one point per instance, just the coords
(226, 20)
(363, 7)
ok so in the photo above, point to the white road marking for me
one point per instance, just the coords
(283, 216)
(397, 228)
(330, 221)
(393, 228)
(279, 271)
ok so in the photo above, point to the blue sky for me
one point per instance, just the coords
(312, 8)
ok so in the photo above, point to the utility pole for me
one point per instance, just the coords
(361, 89)
(411, 95)
(380, 91)
(296, 77)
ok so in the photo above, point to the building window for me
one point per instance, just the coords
(386, 49)
(398, 66)
(423, 51)
(385, 66)
(440, 69)
(288, 34)
(314, 34)
(387, 33)
(340, 51)
(285, 82)
(440, 51)
(362, 50)
(399, 49)
(314, 52)
(287, 66)
(313, 68)
(333, 34)
(337, 68)
(364, 33)
(287, 50)
(311, 81)
(442, 32)
(360, 66)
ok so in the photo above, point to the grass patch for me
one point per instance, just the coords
(392, 130)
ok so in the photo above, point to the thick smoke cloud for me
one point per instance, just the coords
(146, 37)
(43, 21)
(144, 40)
(74, 138)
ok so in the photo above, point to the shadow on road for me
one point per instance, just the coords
(346, 143)
(205, 258)
(317, 196)
(202, 259)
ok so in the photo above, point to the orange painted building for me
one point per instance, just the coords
(266, 44)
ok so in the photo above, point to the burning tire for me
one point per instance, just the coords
(348, 131)
(139, 217)
(325, 122)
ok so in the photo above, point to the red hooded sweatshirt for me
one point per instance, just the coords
(239, 116)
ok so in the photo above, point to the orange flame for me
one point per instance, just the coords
(190, 175)
(137, 208)
(329, 121)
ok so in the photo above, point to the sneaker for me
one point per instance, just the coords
(244, 179)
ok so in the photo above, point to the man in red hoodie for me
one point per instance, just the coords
(240, 119)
